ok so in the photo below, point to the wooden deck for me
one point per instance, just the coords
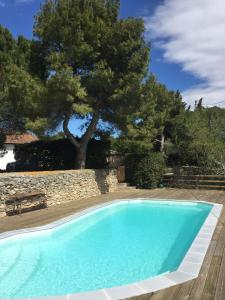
(210, 284)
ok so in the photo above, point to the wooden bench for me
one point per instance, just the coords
(24, 202)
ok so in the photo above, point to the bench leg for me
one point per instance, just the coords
(20, 209)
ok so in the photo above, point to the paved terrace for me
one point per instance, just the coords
(210, 284)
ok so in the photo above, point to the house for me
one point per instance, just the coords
(12, 140)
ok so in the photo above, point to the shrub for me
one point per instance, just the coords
(131, 162)
(150, 170)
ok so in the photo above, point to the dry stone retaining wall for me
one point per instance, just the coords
(59, 186)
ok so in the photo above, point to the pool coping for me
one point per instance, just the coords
(188, 269)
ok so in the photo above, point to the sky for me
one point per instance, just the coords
(187, 41)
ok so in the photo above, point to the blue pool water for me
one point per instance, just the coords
(116, 245)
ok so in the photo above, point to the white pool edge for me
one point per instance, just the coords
(188, 269)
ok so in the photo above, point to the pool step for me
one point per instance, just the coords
(20, 272)
(8, 258)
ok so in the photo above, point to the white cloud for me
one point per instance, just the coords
(211, 95)
(4, 2)
(192, 34)
(24, 1)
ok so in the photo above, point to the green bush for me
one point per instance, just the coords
(131, 162)
(149, 171)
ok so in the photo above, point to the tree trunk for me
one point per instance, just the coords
(162, 143)
(81, 158)
(81, 147)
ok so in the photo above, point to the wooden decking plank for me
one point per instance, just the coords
(212, 278)
(214, 268)
(220, 243)
(213, 271)
(199, 283)
(220, 288)
(166, 294)
(183, 291)
(219, 228)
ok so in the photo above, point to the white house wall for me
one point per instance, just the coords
(9, 156)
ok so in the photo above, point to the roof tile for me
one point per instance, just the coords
(19, 138)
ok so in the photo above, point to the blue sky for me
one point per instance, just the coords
(188, 48)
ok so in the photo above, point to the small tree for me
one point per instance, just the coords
(151, 124)
(96, 63)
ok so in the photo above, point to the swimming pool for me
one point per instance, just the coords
(113, 245)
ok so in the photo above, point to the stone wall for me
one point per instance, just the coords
(59, 186)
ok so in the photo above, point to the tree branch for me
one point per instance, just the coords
(67, 132)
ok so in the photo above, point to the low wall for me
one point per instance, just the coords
(59, 186)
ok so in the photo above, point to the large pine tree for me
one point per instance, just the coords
(96, 63)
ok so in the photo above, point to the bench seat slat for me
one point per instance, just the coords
(26, 195)
(14, 203)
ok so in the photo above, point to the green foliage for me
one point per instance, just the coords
(64, 92)
(131, 162)
(17, 51)
(75, 29)
(197, 138)
(215, 117)
(22, 94)
(150, 170)
(7, 48)
(153, 118)
(20, 91)
(88, 47)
